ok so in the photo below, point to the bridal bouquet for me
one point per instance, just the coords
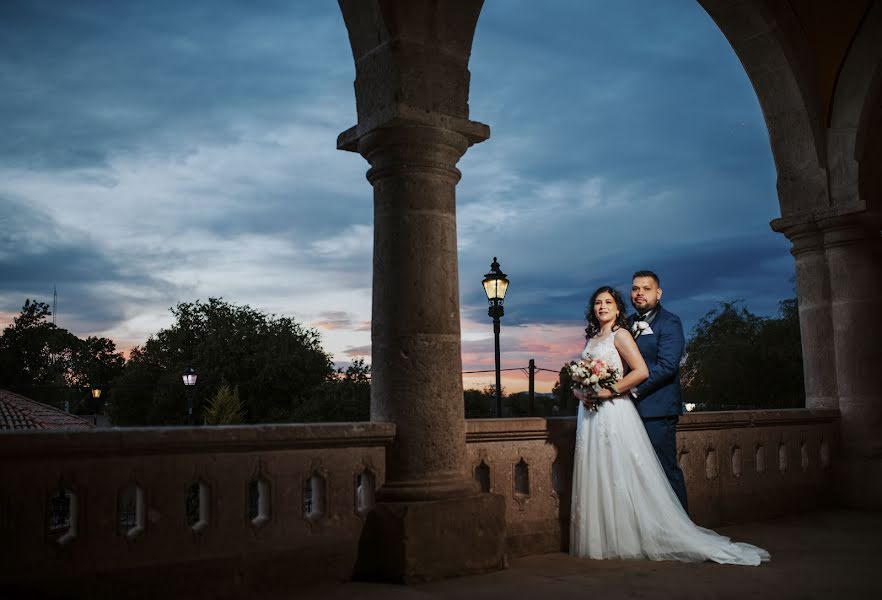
(593, 374)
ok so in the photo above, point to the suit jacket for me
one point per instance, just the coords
(659, 395)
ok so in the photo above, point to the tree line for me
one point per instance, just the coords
(258, 368)
(39, 359)
(252, 368)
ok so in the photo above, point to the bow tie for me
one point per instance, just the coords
(639, 317)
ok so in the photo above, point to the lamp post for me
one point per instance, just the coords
(96, 401)
(495, 285)
(189, 377)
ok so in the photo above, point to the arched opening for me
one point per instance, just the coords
(627, 137)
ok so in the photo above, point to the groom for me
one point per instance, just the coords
(659, 336)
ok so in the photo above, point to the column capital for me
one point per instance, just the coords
(853, 228)
(804, 234)
(403, 116)
(411, 149)
(817, 230)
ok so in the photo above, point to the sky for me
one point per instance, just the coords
(164, 152)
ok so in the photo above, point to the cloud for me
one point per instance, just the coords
(152, 155)
(127, 77)
(335, 319)
(356, 351)
(97, 289)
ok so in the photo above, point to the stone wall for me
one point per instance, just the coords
(208, 511)
(213, 511)
(739, 466)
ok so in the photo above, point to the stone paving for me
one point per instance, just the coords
(835, 554)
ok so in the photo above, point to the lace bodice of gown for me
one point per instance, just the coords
(605, 350)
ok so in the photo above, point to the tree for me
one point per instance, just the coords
(225, 408)
(95, 362)
(277, 364)
(33, 351)
(36, 353)
(346, 397)
(735, 359)
(480, 404)
(519, 405)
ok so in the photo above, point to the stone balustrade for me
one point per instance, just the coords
(216, 509)
(220, 509)
(739, 466)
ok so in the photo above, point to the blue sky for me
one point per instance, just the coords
(163, 152)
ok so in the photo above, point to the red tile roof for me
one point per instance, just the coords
(19, 413)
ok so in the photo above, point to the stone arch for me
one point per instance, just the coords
(826, 60)
(412, 91)
(869, 153)
(855, 145)
(412, 58)
(771, 45)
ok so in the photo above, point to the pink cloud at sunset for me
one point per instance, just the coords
(549, 345)
(340, 320)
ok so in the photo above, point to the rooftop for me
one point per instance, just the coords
(20, 413)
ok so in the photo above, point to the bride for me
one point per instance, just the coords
(623, 505)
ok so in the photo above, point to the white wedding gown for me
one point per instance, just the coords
(622, 503)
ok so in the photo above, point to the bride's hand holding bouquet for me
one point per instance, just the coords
(593, 381)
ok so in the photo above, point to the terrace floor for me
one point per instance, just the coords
(834, 554)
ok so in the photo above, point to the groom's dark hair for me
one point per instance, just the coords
(647, 274)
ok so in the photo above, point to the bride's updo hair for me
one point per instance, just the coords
(593, 327)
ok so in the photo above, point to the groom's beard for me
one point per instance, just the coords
(645, 310)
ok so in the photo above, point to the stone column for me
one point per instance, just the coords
(415, 326)
(815, 319)
(411, 97)
(853, 249)
(430, 520)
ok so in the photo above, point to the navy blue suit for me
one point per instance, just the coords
(658, 398)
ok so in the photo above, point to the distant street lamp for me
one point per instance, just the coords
(495, 285)
(96, 402)
(189, 377)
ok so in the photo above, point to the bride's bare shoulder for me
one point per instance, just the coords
(623, 336)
